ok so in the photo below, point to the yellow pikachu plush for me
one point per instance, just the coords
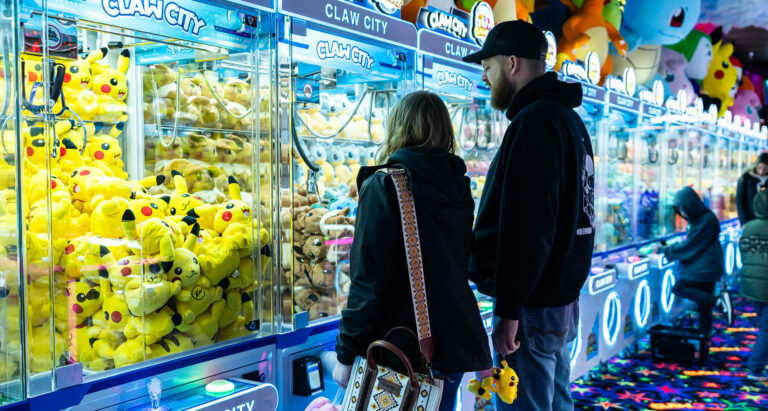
(173, 343)
(83, 301)
(206, 325)
(107, 216)
(150, 292)
(155, 236)
(86, 183)
(104, 150)
(180, 201)
(80, 350)
(111, 88)
(71, 147)
(131, 352)
(77, 85)
(108, 324)
(152, 327)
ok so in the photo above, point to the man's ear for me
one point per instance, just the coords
(512, 65)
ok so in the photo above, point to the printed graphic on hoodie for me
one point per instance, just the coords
(588, 194)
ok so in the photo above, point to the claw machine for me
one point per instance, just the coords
(145, 130)
(12, 288)
(478, 127)
(341, 67)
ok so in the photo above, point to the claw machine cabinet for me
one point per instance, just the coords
(650, 138)
(145, 128)
(12, 286)
(478, 127)
(619, 203)
(341, 67)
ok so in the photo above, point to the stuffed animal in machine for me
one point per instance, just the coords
(720, 79)
(76, 89)
(672, 69)
(662, 23)
(152, 327)
(108, 324)
(155, 236)
(343, 175)
(587, 31)
(180, 201)
(206, 325)
(107, 217)
(89, 186)
(41, 351)
(504, 383)
(131, 352)
(41, 143)
(83, 301)
(201, 147)
(103, 150)
(150, 292)
(111, 87)
(502, 10)
(173, 343)
(71, 147)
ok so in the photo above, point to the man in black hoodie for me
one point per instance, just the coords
(535, 225)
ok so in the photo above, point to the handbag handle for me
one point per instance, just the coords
(412, 244)
(401, 328)
(400, 355)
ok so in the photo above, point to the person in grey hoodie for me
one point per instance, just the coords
(701, 257)
(754, 281)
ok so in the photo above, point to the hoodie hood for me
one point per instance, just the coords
(436, 169)
(760, 203)
(689, 202)
(546, 86)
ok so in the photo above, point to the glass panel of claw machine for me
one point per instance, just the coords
(11, 388)
(336, 88)
(150, 143)
(673, 172)
(709, 193)
(620, 123)
(650, 131)
(478, 128)
(725, 187)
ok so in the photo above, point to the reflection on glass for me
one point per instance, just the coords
(649, 218)
(619, 183)
(673, 163)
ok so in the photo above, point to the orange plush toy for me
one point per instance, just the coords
(586, 31)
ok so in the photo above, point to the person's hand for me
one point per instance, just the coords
(504, 337)
(341, 374)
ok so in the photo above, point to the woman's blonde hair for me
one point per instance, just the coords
(420, 119)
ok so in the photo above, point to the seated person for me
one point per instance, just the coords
(701, 257)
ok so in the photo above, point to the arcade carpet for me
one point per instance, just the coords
(637, 383)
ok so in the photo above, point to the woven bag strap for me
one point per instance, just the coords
(415, 262)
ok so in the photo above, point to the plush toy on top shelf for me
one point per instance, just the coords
(76, 89)
(696, 47)
(111, 88)
(343, 175)
(672, 69)
(721, 77)
(587, 31)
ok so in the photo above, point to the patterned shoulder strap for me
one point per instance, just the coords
(415, 263)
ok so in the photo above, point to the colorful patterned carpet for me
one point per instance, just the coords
(637, 383)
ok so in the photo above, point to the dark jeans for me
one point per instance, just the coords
(759, 358)
(450, 389)
(701, 294)
(543, 362)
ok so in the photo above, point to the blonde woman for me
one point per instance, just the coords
(420, 140)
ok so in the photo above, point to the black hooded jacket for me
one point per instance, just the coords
(746, 190)
(535, 225)
(380, 296)
(700, 254)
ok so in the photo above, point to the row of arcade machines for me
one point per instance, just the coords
(236, 131)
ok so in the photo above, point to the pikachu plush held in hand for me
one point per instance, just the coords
(504, 383)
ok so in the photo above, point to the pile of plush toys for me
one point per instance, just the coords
(202, 127)
(316, 238)
(328, 119)
(138, 268)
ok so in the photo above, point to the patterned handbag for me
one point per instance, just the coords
(373, 387)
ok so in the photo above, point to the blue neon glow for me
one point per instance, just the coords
(730, 258)
(667, 298)
(642, 304)
(738, 259)
(611, 318)
(575, 346)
